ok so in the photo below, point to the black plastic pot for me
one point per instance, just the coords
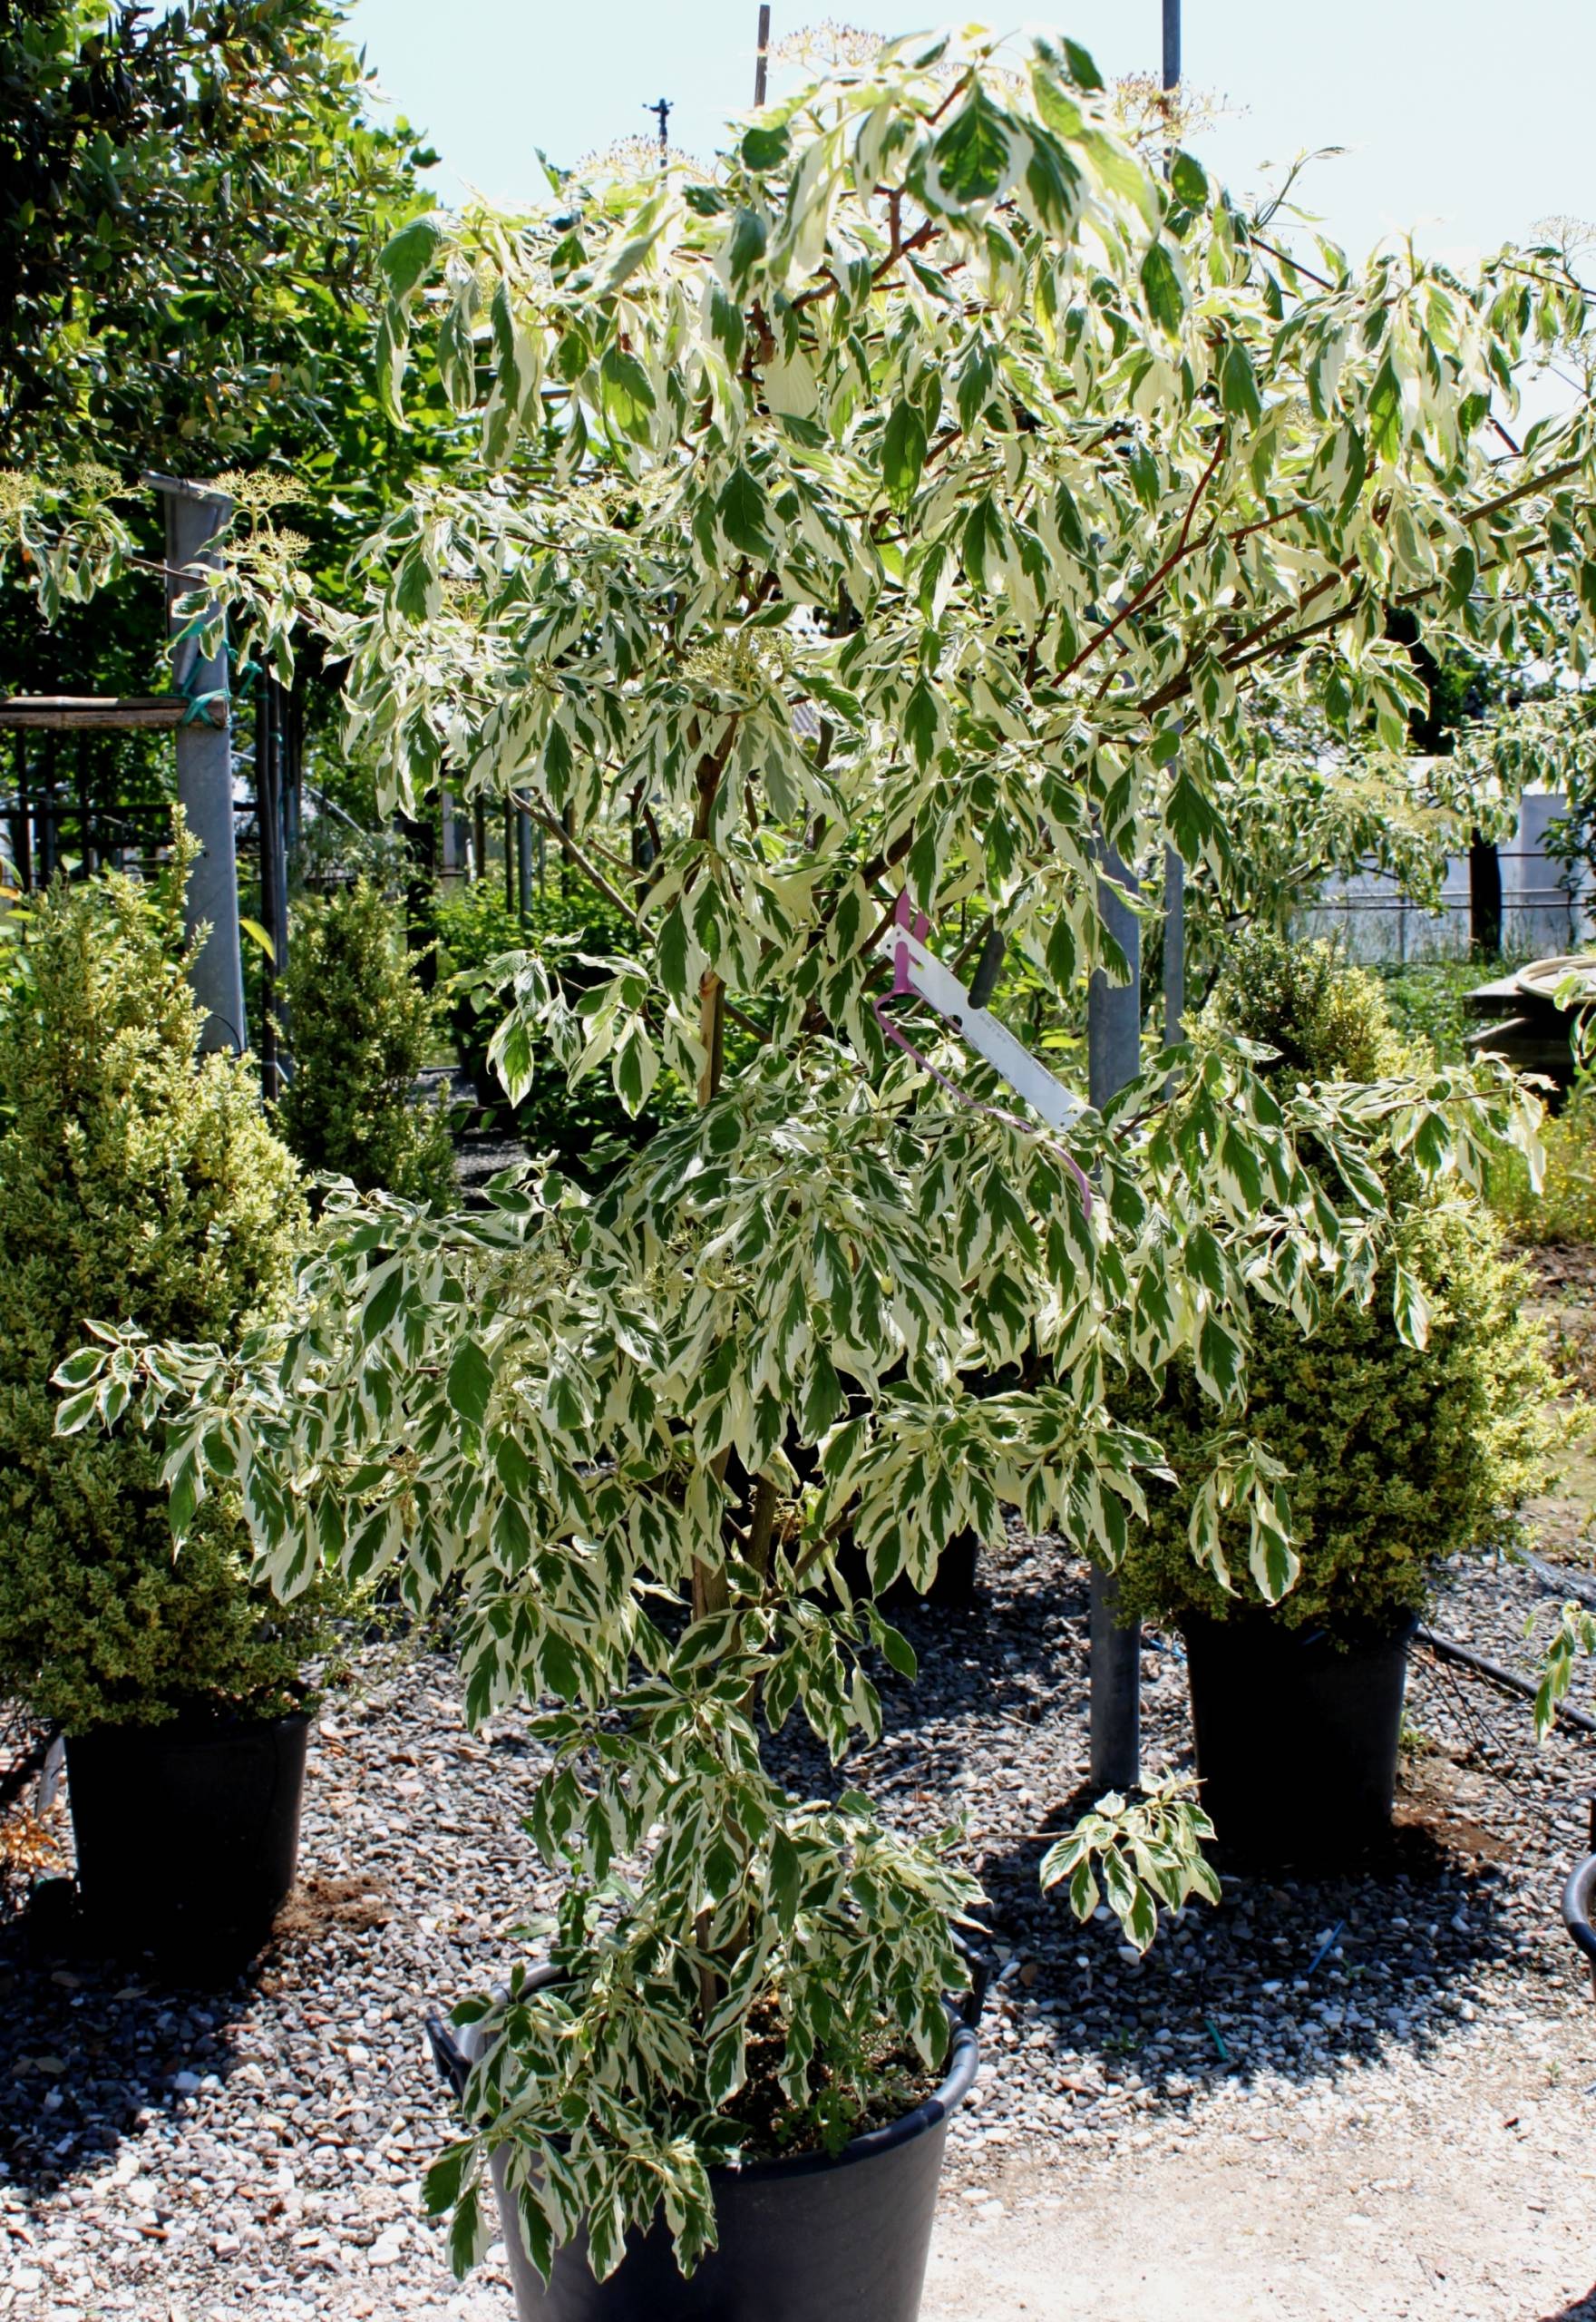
(1578, 1903)
(1295, 1735)
(186, 1833)
(813, 2238)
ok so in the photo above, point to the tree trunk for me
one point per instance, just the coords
(1485, 897)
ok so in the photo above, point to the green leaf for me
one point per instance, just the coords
(410, 255)
(920, 722)
(1237, 385)
(1384, 412)
(470, 1382)
(627, 394)
(744, 512)
(744, 246)
(1162, 288)
(824, 1399)
(673, 949)
(765, 147)
(982, 539)
(470, 2234)
(1083, 71)
(445, 2179)
(382, 1305)
(903, 452)
(972, 153)
(1189, 179)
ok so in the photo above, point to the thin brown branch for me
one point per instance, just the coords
(627, 911)
(1257, 242)
(762, 1525)
(1156, 578)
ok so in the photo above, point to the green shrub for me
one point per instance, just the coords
(360, 1029)
(1564, 1210)
(587, 1128)
(1396, 1458)
(1426, 1001)
(135, 1183)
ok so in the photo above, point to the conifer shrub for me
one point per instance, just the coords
(1397, 1458)
(141, 1182)
(361, 1028)
(586, 1127)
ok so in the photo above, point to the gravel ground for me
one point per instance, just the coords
(256, 2151)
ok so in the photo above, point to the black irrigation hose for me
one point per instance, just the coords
(1448, 1648)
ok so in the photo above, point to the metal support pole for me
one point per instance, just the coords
(48, 823)
(762, 53)
(1172, 43)
(194, 516)
(524, 857)
(21, 835)
(267, 826)
(1174, 944)
(1113, 1057)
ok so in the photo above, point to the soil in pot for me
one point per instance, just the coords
(186, 1833)
(812, 2236)
(1295, 1734)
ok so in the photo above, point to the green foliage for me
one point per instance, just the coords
(133, 1181)
(1320, 1019)
(360, 1027)
(584, 1124)
(1135, 1858)
(1425, 1000)
(1563, 1208)
(1401, 1433)
(190, 204)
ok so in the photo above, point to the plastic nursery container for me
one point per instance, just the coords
(813, 2237)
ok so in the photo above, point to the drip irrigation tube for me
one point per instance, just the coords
(1449, 1648)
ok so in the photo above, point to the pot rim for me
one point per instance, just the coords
(1579, 1901)
(964, 2058)
(1260, 1621)
(201, 1729)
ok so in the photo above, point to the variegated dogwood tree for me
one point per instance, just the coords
(906, 507)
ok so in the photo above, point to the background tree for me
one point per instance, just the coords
(192, 201)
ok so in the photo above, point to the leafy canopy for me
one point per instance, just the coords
(910, 504)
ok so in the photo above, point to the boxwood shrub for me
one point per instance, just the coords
(141, 1182)
(1398, 1458)
(360, 1029)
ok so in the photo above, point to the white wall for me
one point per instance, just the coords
(1376, 921)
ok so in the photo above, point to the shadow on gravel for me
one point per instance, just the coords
(88, 2042)
(1583, 2309)
(1295, 1975)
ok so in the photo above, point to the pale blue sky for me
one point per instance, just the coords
(1466, 119)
